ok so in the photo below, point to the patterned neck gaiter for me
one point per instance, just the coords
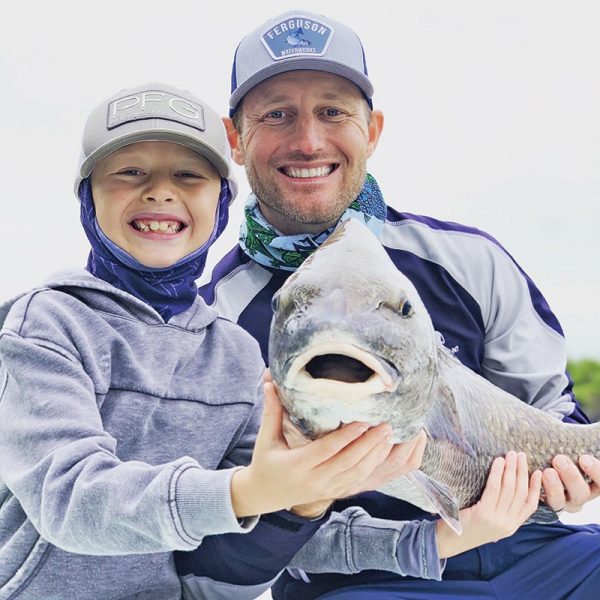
(267, 246)
(169, 290)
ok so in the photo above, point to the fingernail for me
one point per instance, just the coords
(561, 462)
(586, 462)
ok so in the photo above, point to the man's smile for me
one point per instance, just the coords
(306, 173)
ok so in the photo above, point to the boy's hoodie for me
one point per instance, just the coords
(99, 400)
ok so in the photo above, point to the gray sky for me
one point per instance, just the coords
(492, 119)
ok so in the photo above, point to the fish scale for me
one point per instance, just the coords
(407, 377)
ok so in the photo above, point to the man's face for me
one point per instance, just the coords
(156, 200)
(305, 140)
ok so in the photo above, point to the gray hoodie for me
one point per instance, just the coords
(119, 434)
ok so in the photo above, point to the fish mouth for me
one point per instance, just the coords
(336, 368)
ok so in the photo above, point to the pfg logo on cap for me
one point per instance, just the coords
(155, 104)
(297, 36)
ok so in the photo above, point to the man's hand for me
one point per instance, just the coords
(565, 487)
(510, 497)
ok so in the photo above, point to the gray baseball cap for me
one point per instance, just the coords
(298, 40)
(155, 112)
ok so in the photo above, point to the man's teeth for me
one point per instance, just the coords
(158, 226)
(305, 173)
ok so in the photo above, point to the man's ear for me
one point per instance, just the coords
(233, 136)
(375, 129)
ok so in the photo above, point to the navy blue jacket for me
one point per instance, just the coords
(486, 309)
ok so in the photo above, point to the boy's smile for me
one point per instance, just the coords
(161, 224)
(156, 200)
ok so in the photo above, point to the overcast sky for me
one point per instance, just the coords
(492, 119)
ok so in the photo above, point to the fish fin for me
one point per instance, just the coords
(543, 514)
(439, 497)
(443, 422)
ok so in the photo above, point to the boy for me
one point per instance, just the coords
(128, 409)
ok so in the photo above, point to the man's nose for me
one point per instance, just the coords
(308, 135)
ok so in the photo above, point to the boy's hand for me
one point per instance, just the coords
(402, 458)
(333, 466)
(510, 497)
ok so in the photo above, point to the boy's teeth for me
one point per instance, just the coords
(158, 226)
(305, 173)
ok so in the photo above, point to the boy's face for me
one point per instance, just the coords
(156, 200)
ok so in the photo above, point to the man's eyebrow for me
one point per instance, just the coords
(332, 96)
(284, 98)
(275, 99)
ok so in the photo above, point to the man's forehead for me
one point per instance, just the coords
(317, 84)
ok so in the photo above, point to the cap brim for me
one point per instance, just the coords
(300, 64)
(155, 135)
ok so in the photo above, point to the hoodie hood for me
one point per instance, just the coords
(102, 296)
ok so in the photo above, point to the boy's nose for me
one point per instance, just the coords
(158, 197)
(159, 190)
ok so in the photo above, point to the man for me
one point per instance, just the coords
(303, 126)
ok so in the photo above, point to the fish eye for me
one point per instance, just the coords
(406, 309)
(275, 303)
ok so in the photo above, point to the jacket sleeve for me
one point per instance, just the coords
(525, 351)
(240, 567)
(353, 541)
(516, 340)
(61, 465)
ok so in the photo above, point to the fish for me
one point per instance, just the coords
(351, 340)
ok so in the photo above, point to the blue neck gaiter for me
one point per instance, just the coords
(169, 290)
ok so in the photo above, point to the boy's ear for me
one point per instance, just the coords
(233, 136)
